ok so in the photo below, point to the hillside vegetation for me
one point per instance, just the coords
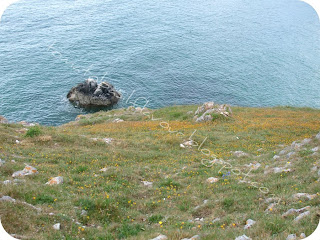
(132, 179)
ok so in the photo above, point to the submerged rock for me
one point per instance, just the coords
(90, 93)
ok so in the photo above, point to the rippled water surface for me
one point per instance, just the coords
(241, 52)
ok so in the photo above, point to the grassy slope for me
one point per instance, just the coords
(120, 207)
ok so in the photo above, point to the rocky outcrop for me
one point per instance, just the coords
(204, 113)
(3, 120)
(90, 93)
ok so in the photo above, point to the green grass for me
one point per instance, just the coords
(119, 206)
(33, 131)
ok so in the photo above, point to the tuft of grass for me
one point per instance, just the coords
(33, 131)
(170, 183)
(42, 199)
(127, 230)
(228, 203)
(155, 218)
(275, 226)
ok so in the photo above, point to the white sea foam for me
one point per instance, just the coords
(4, 4)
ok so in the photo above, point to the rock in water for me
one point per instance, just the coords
(90, 93)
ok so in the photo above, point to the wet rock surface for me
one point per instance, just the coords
(90, 93)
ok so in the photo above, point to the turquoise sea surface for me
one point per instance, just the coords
(240, 52)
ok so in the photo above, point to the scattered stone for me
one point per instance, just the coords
(188, 144)
(28, 170)
(160, 237)
(212, 180)
(291, 237)
(199, 219)
(290, 154)
(55, 181)
(117, 120)
(79, 117)
(293, 211)
(17, 142)
(301, 215)
(51, 214)
(147, 184)
(15, 181)
(3, 120)
(139, 109)
(315, 149)
(84, 213)
(271, 207)
(2, 162)
(249, 223)
(240, 154)
(318, 136)
(276, 157)
(281, 169)
(303, 235)
(253, 166)
(6, 182)
(8, 199)
(243, 237)
(136, 109)
(90, 93)
(296, 146)
(190, 112)
(284, 151)
(306, 141)
(216, 220)
(103, 169)
(196, 237)
(297, 196)
(272, 200)
(107, 140)
(30, 205)
(13, 161)
(203, 118)
(56, 226)
(313, 169)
